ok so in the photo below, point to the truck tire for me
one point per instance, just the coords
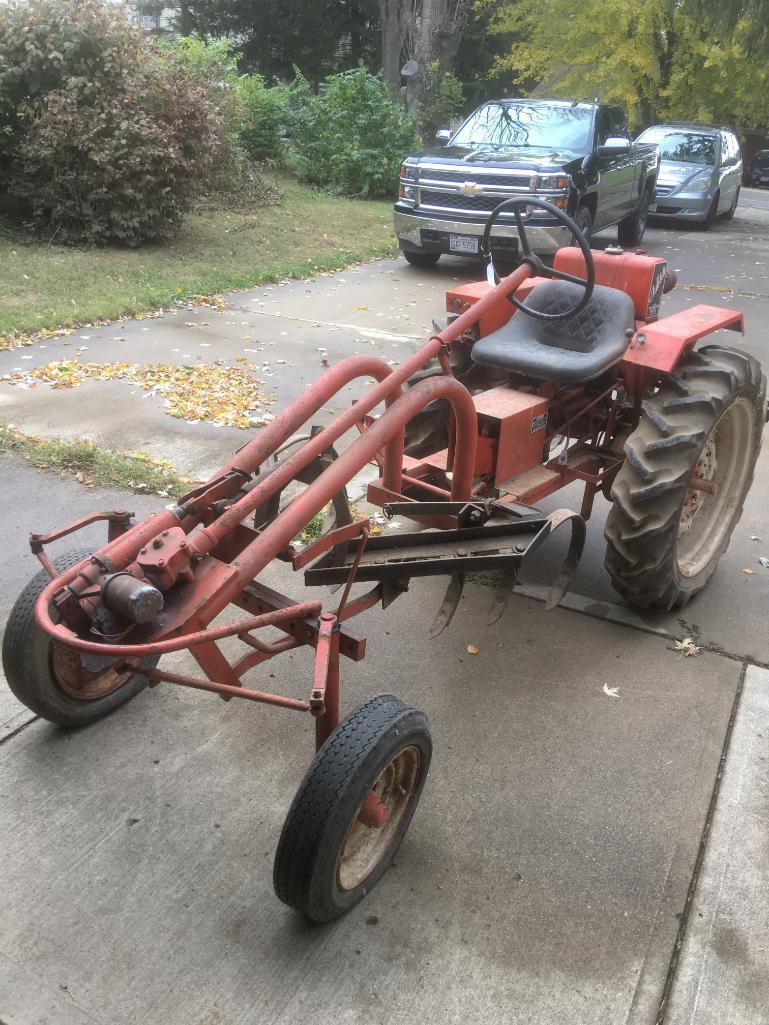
(421, 259)
(630, 230)
(584, 221)
(663, 538)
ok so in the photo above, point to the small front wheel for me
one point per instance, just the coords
(352, 809)
(59, 684)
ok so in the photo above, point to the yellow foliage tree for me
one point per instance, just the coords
(649, 56)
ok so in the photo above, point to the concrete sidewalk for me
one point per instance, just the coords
(542, 880)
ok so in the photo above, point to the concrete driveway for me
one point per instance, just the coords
(577, 857)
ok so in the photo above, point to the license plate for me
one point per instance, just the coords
(463, 244)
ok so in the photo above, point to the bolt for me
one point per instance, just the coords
(157, 543)
(161, 562)
(327, 617)
(143, 551)
(461, 552)
(520, 548)
(182, 544)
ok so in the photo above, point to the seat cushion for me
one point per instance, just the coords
(573, 350)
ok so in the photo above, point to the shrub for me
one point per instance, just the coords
(265, 119)
(443, 99)
(352, 136)
(105, 142)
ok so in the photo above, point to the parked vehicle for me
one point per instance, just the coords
(759, 169)
(577, 156)
(700, 171)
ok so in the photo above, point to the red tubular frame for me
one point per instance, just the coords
(383, 435)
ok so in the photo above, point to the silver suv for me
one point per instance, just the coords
(700, 171)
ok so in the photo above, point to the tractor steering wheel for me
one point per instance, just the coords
(535, 262)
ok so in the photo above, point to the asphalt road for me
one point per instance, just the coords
(565, 843)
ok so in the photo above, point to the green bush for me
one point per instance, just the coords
(443, 100)
(266, 117)
(352, 136)
(103, 140)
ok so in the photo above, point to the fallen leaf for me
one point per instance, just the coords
(472, 650)
(764, 561)
(754, 537)
(687, 647)
(748, 571)
(610, 692)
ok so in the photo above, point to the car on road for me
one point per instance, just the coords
(700, 171)
(577, 156)
(759, 169)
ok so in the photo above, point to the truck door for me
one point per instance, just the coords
(610, 174)
(628, 166)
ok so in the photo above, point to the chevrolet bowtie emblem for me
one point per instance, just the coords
(470, 188)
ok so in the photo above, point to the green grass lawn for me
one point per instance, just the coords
(45, 287)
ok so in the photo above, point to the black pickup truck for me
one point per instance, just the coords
(578, 156)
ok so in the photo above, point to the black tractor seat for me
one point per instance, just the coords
(568, 351)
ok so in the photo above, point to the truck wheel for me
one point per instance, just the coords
(64, 686)
(421, 259)
(631, 230)
(664, 538)
(584, 221)
(328, 856)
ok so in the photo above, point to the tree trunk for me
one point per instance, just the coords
(392, 15)
(433, 35)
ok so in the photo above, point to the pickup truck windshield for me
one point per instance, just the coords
(686, 147)
(540, 125)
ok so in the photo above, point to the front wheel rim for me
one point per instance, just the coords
(364, 846)
(706, 520)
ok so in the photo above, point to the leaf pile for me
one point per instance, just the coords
(219, 394)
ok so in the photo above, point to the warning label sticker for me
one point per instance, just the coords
(539, 423)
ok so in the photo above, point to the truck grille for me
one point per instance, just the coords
(456, 201)
(519, 181)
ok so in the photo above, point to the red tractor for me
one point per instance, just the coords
(546, 377)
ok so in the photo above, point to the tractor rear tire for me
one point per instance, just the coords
(664, 538)
(57, 683)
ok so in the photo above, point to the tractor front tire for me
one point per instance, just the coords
(663, 537)
(57, 683)
(327, 858)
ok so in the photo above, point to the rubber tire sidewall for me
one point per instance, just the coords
(421, 259)
(729, 215)
(629, 231)
(584, 221)
(664, 587)
(27, 662)
(317, 823)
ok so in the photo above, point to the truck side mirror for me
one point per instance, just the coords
(614, 147)
(442, 136)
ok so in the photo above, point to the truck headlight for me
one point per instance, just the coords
(409, 171)
(699, 183)
(407, 192)
(551, 182)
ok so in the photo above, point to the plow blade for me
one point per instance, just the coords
(499, 543)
